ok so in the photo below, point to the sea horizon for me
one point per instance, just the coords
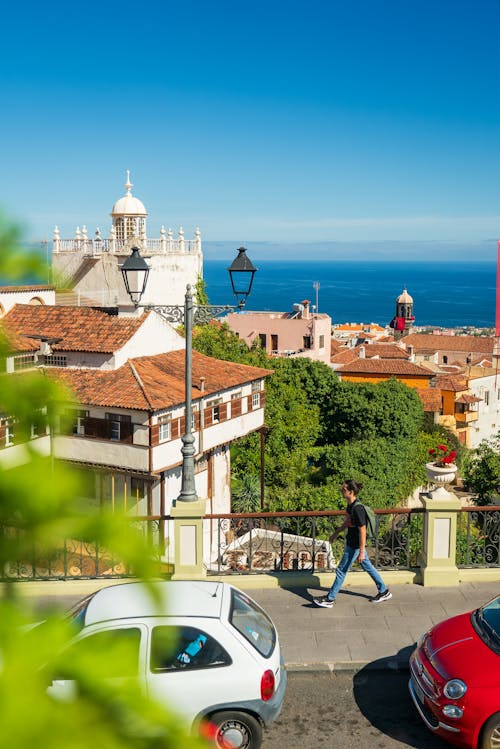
(448, 295)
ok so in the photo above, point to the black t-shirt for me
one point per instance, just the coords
(356, 517)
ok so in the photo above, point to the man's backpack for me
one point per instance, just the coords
(372, 522)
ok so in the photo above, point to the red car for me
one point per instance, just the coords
(455, 678)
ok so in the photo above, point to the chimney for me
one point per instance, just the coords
(362, 352)
(305, 313)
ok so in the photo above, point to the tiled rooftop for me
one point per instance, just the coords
(80, 328)
(466, 343)
(154, 382)
(396, 367)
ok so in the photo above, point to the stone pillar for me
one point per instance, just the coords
(440, 538)
(188, 539)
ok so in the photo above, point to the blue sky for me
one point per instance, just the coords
(321, 120)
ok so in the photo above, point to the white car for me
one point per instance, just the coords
(204, 648)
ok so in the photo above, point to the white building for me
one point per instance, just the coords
(88, 267)
(127, 417)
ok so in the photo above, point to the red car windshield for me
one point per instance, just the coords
(486, 622)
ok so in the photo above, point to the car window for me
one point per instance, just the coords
(252, 622)
(113, 652)
(486, 621)
(179, 648)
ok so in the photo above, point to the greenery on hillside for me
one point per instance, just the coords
(322, 430)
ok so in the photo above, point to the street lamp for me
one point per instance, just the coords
(135, 272)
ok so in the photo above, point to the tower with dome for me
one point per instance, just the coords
(86, 269)
(403, 320)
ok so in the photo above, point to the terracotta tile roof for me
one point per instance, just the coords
(345, 356)
(153, 382)
(431, 399)
(80, 328)
(466, 343)
(386, 351)
(335, 347)
(29, 287)
(396, 367)
(466, 398)
(451, 382)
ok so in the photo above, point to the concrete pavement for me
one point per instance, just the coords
(354, 634)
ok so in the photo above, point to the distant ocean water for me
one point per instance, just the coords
(448, 294)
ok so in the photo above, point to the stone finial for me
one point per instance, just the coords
(84, 232)
(98, 234)
(56, 233)
(78, 235)
(128, 183)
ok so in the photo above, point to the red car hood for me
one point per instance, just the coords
(456, 651)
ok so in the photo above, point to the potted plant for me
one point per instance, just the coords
(441, 468)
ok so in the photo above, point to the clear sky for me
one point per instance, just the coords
(297, 121)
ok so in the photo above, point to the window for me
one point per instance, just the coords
(445, 360)
(274, 342)
(487, 397)
(115, 650)
(115, 422)
(78, 418)
(322, 341)
(9, 433)
(237, 396)
(256, 386)
(251, 621)
(56, 360)
(263, 340)
(26, 361)
(255, 400)
(214, 404)
(180, 648)
(306, 342)
(165, 430)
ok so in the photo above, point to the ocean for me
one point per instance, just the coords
(448, 294)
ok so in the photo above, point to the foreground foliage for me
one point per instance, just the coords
(38, 507)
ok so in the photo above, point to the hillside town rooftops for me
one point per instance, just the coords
(427, 343)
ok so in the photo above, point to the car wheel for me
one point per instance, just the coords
(236, 730)
(490, 734)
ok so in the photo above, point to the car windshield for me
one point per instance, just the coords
(487, 623)
(253, 623)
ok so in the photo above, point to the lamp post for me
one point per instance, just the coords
(135, 272)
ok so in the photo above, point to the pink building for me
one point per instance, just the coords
(297, 333)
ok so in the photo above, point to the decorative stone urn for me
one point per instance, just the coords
(441, 474)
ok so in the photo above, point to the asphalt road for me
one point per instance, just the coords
(366, 710)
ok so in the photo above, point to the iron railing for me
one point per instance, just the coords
(291, 541)
(478, 536)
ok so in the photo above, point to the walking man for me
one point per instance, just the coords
(355, 548)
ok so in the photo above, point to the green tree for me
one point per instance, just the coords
(481, 470)
(39, 507)
(388, 409)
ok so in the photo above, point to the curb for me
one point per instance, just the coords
(383, 664)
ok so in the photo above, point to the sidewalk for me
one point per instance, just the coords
(356, 633)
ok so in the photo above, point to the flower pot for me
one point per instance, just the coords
(441, 474)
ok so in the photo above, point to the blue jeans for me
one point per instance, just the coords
(349, 557)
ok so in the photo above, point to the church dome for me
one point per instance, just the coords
(128, 205)
(404, 298)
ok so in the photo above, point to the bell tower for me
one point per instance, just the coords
(403, 320)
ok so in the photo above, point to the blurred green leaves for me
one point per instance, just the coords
(41, 505)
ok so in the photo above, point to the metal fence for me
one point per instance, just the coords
(478, 536)
(245, 543)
